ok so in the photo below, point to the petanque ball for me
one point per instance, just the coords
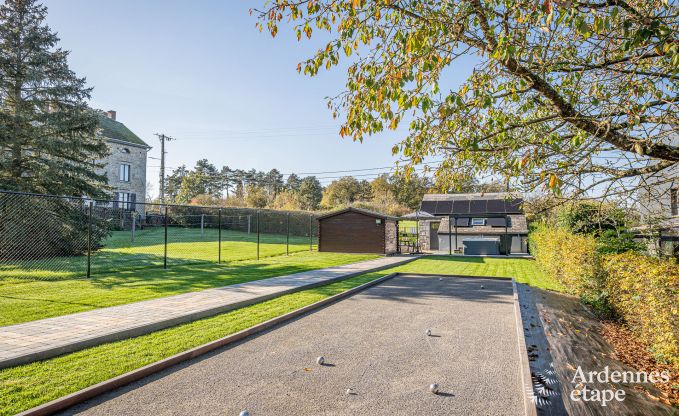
(434, 388)
(428, 332)
(320, 360)
(244, 413)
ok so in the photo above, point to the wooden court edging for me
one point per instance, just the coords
(529, 403)
(87, 393)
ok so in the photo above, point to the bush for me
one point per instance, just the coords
(644, 291)
(585, 217)
(617, 242)
(571, 259)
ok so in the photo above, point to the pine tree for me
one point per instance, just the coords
(48, 140)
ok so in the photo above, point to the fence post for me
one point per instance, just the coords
(287, 237)
(311, 232)
(219, 234)
(257, 234)
(202, 225)
(134, 225)
(165, 252)
(89, 241)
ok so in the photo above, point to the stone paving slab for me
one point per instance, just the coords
(46, 338)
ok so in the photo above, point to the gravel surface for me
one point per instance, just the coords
(374, 343)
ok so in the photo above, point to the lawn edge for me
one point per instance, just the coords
(87, 393)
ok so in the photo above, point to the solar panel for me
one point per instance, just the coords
(444, 207)
(462, 222)
(477, 207)
(496, 206)
(513, 206)
(461, 207)
(496, 222)
(428, 206)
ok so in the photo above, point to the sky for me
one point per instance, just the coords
(202, 73)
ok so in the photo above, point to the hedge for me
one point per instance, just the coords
(569, 258)
(642, 290)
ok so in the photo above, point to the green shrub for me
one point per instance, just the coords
(617, 242)
(644, 291)
(586, 217)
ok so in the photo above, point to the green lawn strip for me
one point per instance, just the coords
(523, 270)
(27, 300)
(30, 385)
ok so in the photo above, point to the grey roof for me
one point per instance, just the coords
(360, 211)
(115, 130)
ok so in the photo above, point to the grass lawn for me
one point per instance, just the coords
(185, 246)
(26, 300)
(523, 270)
(29, 385)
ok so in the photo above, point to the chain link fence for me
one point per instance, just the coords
(50, 237)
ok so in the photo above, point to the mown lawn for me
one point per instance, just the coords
(29, 385)
(24, 300)
(146, 249)
(523, 270)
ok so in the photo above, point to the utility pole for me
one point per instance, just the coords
(162, 138)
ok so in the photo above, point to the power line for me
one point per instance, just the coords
(390, 168)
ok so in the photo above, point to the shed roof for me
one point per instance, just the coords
(115, 130)
(360, 211)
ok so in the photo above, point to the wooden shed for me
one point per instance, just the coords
(355, 230)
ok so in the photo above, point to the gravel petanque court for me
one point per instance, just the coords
(374, 343)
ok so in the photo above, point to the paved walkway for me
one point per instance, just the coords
(45, 338)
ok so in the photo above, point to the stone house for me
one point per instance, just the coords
(125, 166)
(475, 223)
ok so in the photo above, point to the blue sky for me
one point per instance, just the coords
(200, 72)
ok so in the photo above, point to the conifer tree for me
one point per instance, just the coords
(48, 140)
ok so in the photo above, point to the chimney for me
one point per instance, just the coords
(111, 114)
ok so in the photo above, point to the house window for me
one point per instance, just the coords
(125, 172)
(478, 221)
(674, 201)
(126, 200)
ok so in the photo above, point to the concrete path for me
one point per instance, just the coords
(45, 338)
(374, 343)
